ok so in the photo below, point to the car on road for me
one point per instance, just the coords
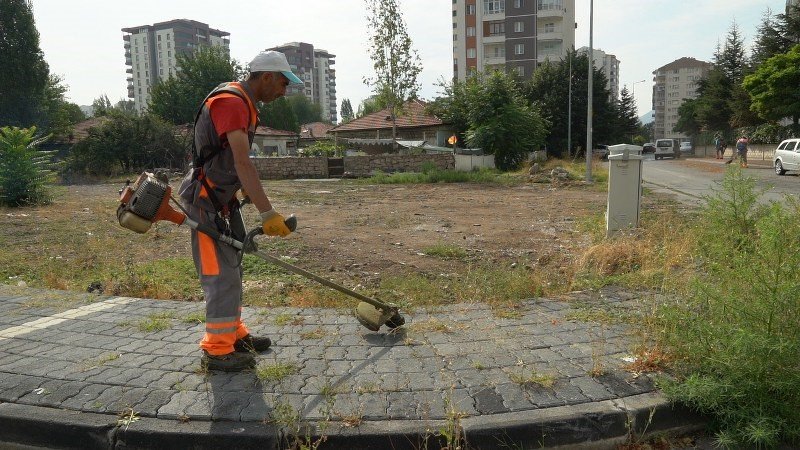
(667, 147)
(601, 151)
(686, 147)
(787, 156)
(649, 147)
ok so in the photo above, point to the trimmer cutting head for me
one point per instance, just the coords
(372, 317)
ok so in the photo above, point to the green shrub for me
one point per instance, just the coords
(737, 335)
(24, 170)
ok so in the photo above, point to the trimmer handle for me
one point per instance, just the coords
(250, 246)
(290, 222)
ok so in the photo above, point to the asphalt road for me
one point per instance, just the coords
(690, 184)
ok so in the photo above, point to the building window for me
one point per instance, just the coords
(494, 6)
(519, 49)
(519, 3)
(470, 31)
(169, 53)
(159, 38)
(455, 37)
(168, 36)
(161, 72)
(470, 10)
(169, 44)
(548, 5)
(454, 25)
(497, 28)
(499, 52)
(549, 28)
(519, 27)
(520, 71)
(471, 53)
(454, 14)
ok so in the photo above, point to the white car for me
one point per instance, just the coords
(686, 147)
(666, 147)
(787, 156)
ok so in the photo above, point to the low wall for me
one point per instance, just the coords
(362, 166)
(290, 167)
(466, 163)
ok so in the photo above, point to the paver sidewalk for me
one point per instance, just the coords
(75, 361)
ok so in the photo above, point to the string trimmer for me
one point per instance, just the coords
(147, 201)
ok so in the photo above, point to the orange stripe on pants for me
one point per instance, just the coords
(208, 255)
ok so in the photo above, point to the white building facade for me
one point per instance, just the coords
(609, 65)
(151, 50)
(511, 35)
(674, 83)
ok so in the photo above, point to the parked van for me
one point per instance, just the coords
(667, 147)
(787, 156)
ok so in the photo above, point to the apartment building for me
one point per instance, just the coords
(510, 35)
(315, 68)
(609, 65)
(674, 83)
(151, 50)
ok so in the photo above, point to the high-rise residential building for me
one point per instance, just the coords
(609, 65)
(512, 35)
(674, 83)
(315, 68)
(151, 50)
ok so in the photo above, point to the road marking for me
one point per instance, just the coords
(55, 319)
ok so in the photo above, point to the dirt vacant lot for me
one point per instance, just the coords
(350, 232)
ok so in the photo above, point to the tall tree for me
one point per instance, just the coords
(688, 122)
(346, 111)
(395, 62)
(58, 116)
(177, 98)
(24, 74)
(549, 88)
(101, 106)
(279, 115)
(628, 115)
(305, 110)
(773, 87)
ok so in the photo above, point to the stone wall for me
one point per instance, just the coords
(286, 168)
(362, 166)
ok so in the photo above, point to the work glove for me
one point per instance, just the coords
(274, 224)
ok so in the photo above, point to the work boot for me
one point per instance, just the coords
(232, 362)
(251, 343)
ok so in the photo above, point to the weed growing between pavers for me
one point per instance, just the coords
(530, 377)
(276, 372)
(196, 317)
(296, 432)
(157, 321)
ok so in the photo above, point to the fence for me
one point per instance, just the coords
(763, 152)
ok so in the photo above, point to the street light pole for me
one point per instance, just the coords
(589, 99)
(569, 109)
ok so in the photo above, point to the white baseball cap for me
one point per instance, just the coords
(272, 61)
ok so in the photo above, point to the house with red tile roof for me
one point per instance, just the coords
(272, 142)
(372, 133)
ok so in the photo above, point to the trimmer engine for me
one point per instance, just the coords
(145, 202)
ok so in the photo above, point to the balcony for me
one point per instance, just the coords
(494, 39)
(494, 60)
(550, 13)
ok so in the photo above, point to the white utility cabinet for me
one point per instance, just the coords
(624, 187)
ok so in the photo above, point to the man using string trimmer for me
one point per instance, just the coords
(223, 135)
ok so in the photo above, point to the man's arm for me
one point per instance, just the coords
(248, 175)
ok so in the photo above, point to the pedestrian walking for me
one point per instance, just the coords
(719, 145)
(224, 130)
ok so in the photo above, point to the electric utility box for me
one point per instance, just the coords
(624, 187)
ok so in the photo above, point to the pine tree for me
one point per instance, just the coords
(24, 74)
(628, 115)
(346, 111)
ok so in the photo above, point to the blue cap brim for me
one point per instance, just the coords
(292, 77)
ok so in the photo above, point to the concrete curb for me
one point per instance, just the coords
(598, 425)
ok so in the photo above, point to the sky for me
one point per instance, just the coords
(82, 39)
